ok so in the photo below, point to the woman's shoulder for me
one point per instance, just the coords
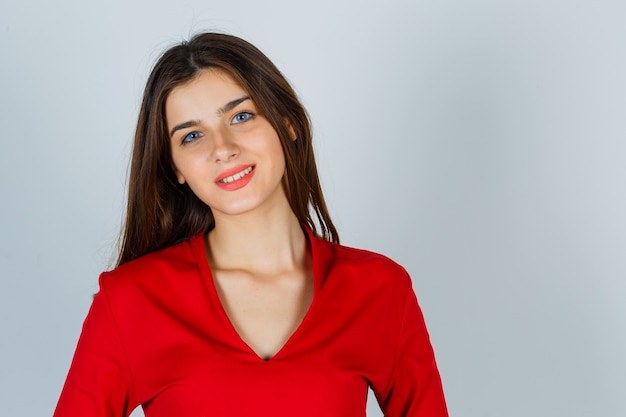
(362, 264)
(354, 255)
(154, 268)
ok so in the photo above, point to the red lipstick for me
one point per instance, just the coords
(235, 178)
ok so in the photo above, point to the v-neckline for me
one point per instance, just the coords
(209, 280)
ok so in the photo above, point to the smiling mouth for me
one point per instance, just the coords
(236, 176)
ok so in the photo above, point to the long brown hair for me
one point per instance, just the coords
(161, 212)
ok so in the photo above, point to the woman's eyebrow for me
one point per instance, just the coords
(184, 125)
(232, 104)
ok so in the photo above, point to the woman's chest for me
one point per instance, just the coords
(231, 387)
(186, 358)
(202, 367)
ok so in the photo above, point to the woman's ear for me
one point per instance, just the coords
(290, 129)
(179, 177)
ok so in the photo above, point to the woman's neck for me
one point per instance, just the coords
(268, 244)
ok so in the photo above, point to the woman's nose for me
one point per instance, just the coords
(225, 148)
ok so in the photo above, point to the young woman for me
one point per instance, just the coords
(231, 296)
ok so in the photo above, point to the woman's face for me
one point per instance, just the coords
(228, 154)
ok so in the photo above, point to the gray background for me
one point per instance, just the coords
(479, 143)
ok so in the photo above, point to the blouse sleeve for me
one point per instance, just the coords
(414, 389)
(99, 382)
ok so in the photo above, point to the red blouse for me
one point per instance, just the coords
(157, 336)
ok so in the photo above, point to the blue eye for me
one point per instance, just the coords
(244, 116)
(191, 137)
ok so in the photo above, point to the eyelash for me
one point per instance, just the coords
(247, 114)
(191, 137)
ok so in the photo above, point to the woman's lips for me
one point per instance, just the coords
(235, 178)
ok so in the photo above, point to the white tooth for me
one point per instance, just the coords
(237, 176)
